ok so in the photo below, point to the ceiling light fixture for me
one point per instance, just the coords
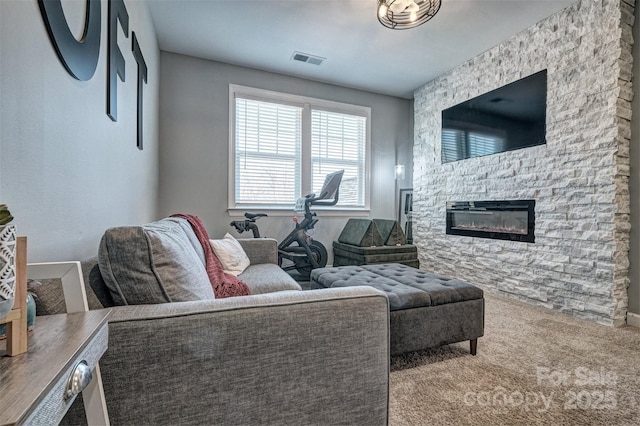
(405, 14)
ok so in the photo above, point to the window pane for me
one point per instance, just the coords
(267, 152)
(338, 141)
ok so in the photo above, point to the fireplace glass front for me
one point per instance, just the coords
(503, 219)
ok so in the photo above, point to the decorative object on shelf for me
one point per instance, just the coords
(31, 311)
(7, 261)
(31, 316)
(405, 14)
(405, 213)
(16, 318)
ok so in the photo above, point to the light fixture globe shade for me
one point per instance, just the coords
(413, 7)
(398, 6)
(382, 10)
(405, 14)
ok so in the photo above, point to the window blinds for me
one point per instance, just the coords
(267, 158)
(338, 141)
(269, 143)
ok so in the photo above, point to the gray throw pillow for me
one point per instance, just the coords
(154, 263)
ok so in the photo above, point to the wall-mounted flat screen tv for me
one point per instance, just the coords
(508, 118)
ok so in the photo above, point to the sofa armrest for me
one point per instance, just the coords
(260, 250)
(312, 357)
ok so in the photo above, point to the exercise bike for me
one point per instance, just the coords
(298, 247)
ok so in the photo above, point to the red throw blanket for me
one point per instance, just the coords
(224, 285)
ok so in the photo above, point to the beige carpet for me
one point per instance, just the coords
(534, 366)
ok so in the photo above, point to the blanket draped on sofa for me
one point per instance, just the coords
(224, 285)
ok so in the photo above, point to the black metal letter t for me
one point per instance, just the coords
(115, 60)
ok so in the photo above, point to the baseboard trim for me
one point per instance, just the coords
(633, 319)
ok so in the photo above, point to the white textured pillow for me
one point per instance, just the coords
(231, 254)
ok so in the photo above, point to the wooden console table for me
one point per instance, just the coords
(33, 385)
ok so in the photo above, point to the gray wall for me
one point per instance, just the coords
(194, 140)
(67, 171)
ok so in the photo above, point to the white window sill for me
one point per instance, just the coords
(279, 211)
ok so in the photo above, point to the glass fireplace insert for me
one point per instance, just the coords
(502, 219)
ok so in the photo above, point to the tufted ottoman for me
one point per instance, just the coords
(427, 310)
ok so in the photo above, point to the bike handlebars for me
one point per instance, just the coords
(331, 186)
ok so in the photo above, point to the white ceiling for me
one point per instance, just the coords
(359, 51)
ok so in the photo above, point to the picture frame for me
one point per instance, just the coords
(405, 212)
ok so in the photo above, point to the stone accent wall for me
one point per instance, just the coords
(579, 262)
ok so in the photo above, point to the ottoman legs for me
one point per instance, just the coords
(474, 346)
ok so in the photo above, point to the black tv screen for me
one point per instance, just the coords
(508, 118)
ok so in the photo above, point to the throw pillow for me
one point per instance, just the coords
(154, 263)
(232, 256)
(224, 285)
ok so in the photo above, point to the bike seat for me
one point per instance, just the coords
(254, 215)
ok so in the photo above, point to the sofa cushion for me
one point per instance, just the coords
(154, 263)
(267, 278)
(100, 289)
(230, 254)
(49, 296)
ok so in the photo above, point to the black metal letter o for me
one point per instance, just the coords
(79, 57)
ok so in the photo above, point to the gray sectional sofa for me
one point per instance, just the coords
(280, 356)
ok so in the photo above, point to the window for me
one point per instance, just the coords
(282, 147)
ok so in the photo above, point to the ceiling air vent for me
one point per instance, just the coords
(309, 59)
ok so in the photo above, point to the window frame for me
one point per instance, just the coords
(307, 104)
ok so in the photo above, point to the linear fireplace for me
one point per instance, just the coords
(504, 219)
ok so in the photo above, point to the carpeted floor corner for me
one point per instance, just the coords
(534, 367)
